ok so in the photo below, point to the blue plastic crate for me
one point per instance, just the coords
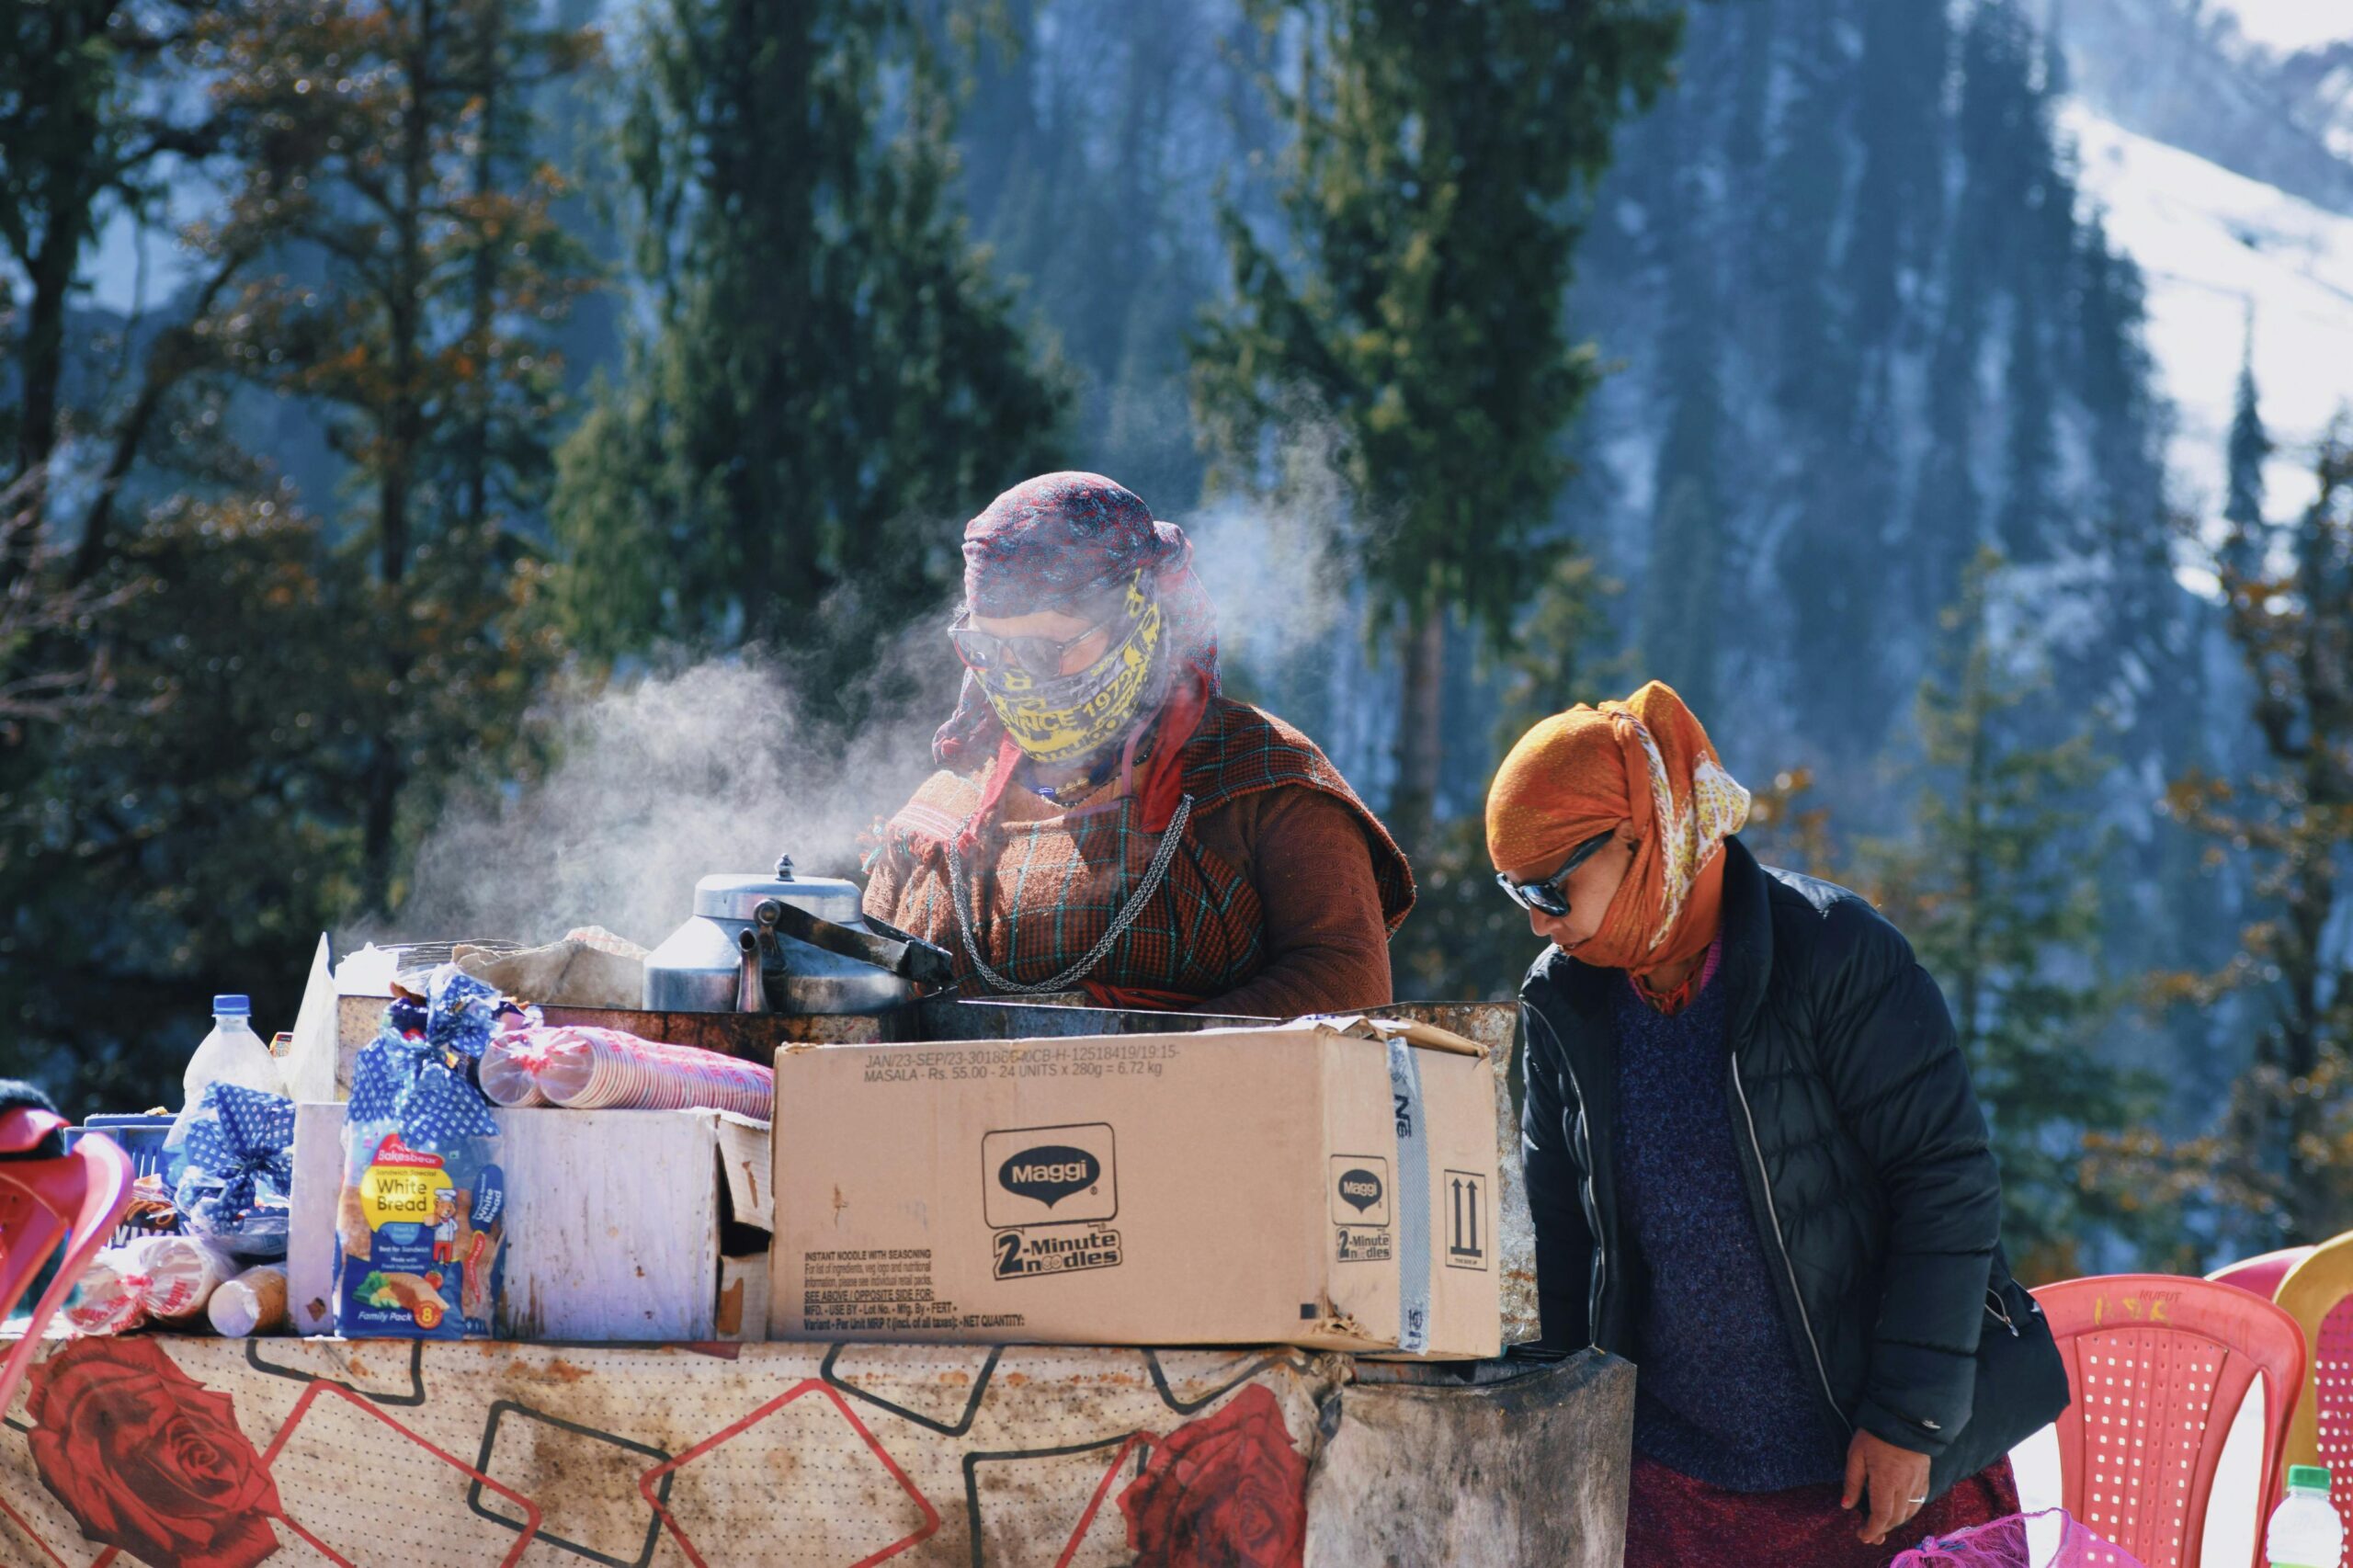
(141, 1138)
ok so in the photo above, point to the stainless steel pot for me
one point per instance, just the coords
(786, 943)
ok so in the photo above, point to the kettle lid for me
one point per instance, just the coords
(732, 895)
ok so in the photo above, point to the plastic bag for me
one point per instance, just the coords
(2047, 1540)
(237, 1176)
(421, 1223)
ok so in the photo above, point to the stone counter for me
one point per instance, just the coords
(226, 1453)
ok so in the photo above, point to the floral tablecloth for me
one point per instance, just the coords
(212, 1453)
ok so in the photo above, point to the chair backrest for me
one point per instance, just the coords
(2159, 1367)
(2262, 1273)
(79, 1195)
(2318, 1293)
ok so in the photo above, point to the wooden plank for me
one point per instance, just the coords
(311, 1249)
(612, 1224)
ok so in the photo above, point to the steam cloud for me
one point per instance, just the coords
(671, 776)
(1278, 563)
(668, 778)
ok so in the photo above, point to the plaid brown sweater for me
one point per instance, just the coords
(1279, 900)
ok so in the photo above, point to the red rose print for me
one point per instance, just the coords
(1227, 1491)
(147, 1458)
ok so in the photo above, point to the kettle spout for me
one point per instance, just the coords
(751, 985)
(757, 954)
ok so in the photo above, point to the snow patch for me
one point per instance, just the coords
(2214, 245)
(2291, 24)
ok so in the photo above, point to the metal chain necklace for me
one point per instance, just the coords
(1152, 874)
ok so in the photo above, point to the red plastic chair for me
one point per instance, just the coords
(2159, 1366)
(2263, 1273)
(79, 1195)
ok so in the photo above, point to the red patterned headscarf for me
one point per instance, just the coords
(1062, 539)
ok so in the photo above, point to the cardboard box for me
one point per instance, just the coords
(621, 1225)
(1329, 1183)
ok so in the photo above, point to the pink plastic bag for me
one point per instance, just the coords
(2022, 1541)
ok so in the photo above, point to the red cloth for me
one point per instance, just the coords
(1673, 1521)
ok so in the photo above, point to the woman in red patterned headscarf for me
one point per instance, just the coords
(1105, 818)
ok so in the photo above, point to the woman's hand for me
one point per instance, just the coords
(1896, 1478)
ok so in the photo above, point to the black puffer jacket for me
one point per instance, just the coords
(1866, 1157)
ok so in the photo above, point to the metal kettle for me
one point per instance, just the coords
(790, 944)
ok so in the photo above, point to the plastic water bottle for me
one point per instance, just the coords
(232, 1054)
(2304, 1531)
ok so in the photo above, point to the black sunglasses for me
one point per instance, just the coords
(1545, 897)
(1041, 656)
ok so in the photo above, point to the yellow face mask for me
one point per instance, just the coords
(1064, 718)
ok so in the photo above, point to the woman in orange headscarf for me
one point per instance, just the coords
(1757, 1168)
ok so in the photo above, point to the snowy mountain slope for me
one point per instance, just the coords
(2191, 75)
(2219, 251)
(2318, 83)
(2291, 24)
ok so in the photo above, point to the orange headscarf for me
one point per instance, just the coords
(1646, 761)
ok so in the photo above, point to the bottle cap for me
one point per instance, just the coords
(232, 1005)
(2312, 1475)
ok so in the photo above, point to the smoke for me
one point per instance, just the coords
(665, 778)
(1280, 561)
(670, 774)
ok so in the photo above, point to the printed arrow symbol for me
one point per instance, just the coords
(1465, 1240)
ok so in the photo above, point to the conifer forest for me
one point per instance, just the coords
(449, 448)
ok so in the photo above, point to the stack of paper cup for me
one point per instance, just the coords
(167, 1278)
(182, 1273)
(107, 1298)
(592, 1069)
(506, 1069)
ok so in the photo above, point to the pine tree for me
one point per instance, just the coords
(1899, 198)
(1076, 140)
(290, 678)
(2250, 448)
(1805, 184)
(1682, 599)
(829, 377)
(1432, 203)
(201, 829)
(88, 124)
(383, 151)
(83, 130)
(2285, 1148)
(1998, 892)
(2029, 522)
